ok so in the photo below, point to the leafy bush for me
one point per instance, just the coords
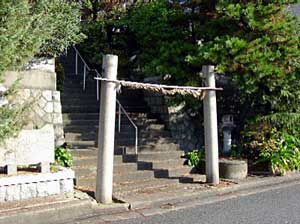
(195, 157)
(29, 28)
(63, 156)
(272, 142)
(286, 157)
(63, 20)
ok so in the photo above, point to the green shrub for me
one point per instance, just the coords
(286, 157)
(195, 157)
(63, 156)
(266, 141)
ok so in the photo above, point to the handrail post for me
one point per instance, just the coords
(76, 63)
(119, 120)
(136, 141)
(97, 90)
(211, 128)
(84, 76)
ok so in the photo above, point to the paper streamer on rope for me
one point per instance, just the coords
(197, 92)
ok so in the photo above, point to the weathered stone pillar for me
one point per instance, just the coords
(106, 131)
(211, 128)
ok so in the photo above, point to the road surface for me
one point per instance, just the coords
(277, 206)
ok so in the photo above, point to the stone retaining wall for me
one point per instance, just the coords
(45, 108)
(21, 187)
(185, 129)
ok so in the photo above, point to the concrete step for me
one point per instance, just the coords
(84, 153)
(82, 144)
(156, 155)
(95, 109)
(92, 116)
(153, 146)
(126, 139)
(126, 188)
(119, 169)
(161, 164)
(146, 123)
(92, 161)
(90, 181)
(126, 131)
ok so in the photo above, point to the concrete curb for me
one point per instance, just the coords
(57, 209)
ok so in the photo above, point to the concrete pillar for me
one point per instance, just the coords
(211, 128)
(106, 131)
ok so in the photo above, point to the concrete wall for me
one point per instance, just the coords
(31, 79)
(37, 74)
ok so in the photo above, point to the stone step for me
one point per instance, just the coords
(95, 108)
(92, 161)
(125, 188)
(90, 181)
(155, 146)
(82, 153)
(128, 180)
(155, 155)
(160, 164)
(152, 123)
(125, 132)
(119, 169)
(92, 116)
(81, 144)
(125, 191)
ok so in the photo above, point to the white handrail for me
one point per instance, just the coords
(121, 108)
(85, 66)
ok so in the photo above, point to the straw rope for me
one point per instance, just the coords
(197, 92)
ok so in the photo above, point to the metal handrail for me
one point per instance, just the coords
(85, 66)
(121, 108)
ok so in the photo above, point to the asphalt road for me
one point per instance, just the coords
(277, 206)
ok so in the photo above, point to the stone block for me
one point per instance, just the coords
(42, 102)
(35, 93)
(29, 147)
(49, 107)
(57, 107)
(66, 185)
(57, 118)
(2, 193)
(56, 96)
(53, 187)
(42, 189)
(13, 193)
(48, 118)
(39, 111)
(44, 167)
(47, 94)
(11, 169)
(58, 130)
(28, 191)
(25, 94)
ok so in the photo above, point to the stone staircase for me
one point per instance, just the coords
(159, 165)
